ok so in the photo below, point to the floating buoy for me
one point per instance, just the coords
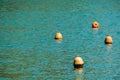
(108, 40)
(95, 24)
(78, 62)
(58, 36)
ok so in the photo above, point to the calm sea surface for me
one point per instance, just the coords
(28, 50)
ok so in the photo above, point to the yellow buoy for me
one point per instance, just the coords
(78, 62)
(58, 36)
(95, 24)
(108, 40)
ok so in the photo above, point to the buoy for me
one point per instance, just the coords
(95, 24)
(108, 40)
(58, 36)
(78, 62)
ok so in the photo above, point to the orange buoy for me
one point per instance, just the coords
(108, 40)
(58, 36)
(78, 62)
(95, 24)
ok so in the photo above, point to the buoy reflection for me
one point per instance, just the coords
(79, 74)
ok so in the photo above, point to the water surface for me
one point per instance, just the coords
(28, 50)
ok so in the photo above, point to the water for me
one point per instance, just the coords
(28, 50)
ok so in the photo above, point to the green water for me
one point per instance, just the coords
(28, 50)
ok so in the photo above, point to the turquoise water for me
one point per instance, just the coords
(28, 50)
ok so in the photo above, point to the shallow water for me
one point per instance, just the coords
(28, 50)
